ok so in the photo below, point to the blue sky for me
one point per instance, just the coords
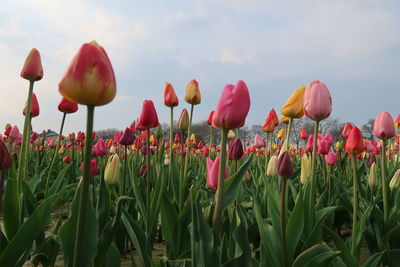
(274, 46)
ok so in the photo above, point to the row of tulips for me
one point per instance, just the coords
(255, 203)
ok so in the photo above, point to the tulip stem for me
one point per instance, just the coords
(148, 190)
(188, 144)
(124, 174)
(54, 155)
(313, 168)
(283, 223)
(383, 181)
(355, 203)
(219, 195)
(289, 128)
(84, 200)
(171, 133)
(329, 178)
(266, 152)
(211, 136)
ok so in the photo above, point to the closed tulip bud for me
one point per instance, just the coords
(285, 167)
(94, 169)
(159, 132)
(5, 159)
(35, 110)
(395, 181)
(143, 170)
(346, 130)
(192, 138)
(61, 150)
(383, 126)
(305, 171)
(317, 101)
(148, 117)
(372, 176)
(285, 120)
(236, 150)
(7, 129)
(354, 142)
(331, 158)
(112, 170)
(303, 134)
(66, 159)
(258, 141)
(89, 79)
(183, 122)
(273, 164)
(14, 133)
(231, 135)
(177, 138)
(100, 147)
(67, 106)
(126, 138)
(294, 105)
(32, 69)
(112, 150)
(281, 133)
(193, 95)
(210, 116)
(232, 107)
(170, 98)
(283, 148)
(212, 173)
(371, 160)
(271, 122)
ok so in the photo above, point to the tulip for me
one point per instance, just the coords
(285, 119)
(303, 134)
(232, 107)
(305, 171)
(258, 141)
(236, 150)
(170, 98)
(193, 95)
(294, 105)
(355, 142)
(89, 79)
(126, 138)
(317, 101)
(209, 122)
(143, 170)
(371, 160)
(271, 122)
(212, 173)
(183, 122)
(177, 138)
(66, 159)
(383, 126)
(281, 133)
(100, 147)
(32, 69)
(35, 110)
(395, 181)
(94, 169)
(67, 106)
(231, 135)
(372, 176)
(148, 117)
(5, 159)
(111, 171)
(285, 166)
(324, 143)
(7, 129)
(331, 158)
(346, 130)
(14, 133)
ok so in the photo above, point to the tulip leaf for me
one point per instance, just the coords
(175, 178)
(103, 205)
(233, 183)
(11, 208)
(374, 260)
(156, 201)
(317, 255)
(294, 227)
(342, 246)
(113, 257)
(59, 180)
(26, 234)
(169, 223)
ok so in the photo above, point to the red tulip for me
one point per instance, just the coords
(177, 138)
(309, 145)
(346, 130)
(271, 122)
(67, 106)
(94, 169)
(5, 159)
(66, 159)
(148, 118)
(212, 173)
(232, 107)
(324, 143)
(210, 117)
(7, 129)
(303, 134)
(35, 110)
(317, 101)
(170, 98)
(127, 138)
(354, 142)
(100, 147)
(383, 126)
(32, 69)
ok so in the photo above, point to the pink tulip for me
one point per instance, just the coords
(383, 126)
(14, 133)
(232, 107)
(100, 147)
(258, 141)
(317, 101)
(324, 143)
(309, 145)
(212, 173)
(331, 158)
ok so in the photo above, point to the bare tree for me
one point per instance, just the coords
(367, 129)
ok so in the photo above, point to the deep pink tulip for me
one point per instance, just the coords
(100, 148)
(258, 141)
(212, 173)
(324, 143)
(285, 165)
(127, 137)
(317, 101)
(384, 126)
(236, 150)
(148, 117)
(67, 106)
(331, 158)
(232, 107)
(32, 69)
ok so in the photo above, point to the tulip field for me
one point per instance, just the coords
(157, 197)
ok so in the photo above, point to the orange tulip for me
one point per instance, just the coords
(193, 95)
(294, 105)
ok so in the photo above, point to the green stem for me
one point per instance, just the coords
(355, 203)
(283, 223)
(384, 184)
(211, 136)
(148, 155)
(79, 257)
(219, 195)
(329, 177)
(54, 155)
(124, 174)
(289, 128)
(266, 152)
(313, 167)
(188, 144)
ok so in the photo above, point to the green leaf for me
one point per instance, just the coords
(59, 180)
(318, 254)
(169, 224)
(103, 205)
(26, 234)
(11, 208)
(113, 256)
(294, 227)
(67, 232)
(374, 260)
(137, 237)
(233, 183)
(342, 246)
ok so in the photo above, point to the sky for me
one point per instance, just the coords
(353, 46)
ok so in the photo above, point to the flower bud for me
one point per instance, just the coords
(285, 167)
(183, 122)
(305, 171)
(236, 150)
(294, 105)
(193, 95)
(273, 164)
(170, 98)
(67, 106)
(112, 170)
(35, 109)
(126, 138)
(372, 176)
(32, 69)
(395, 181)
(5, 159)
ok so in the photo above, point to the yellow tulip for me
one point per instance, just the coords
(281, 133)
(294, 105)
(231, 134)
(193, 95)
(112, 170)
(305, 169)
